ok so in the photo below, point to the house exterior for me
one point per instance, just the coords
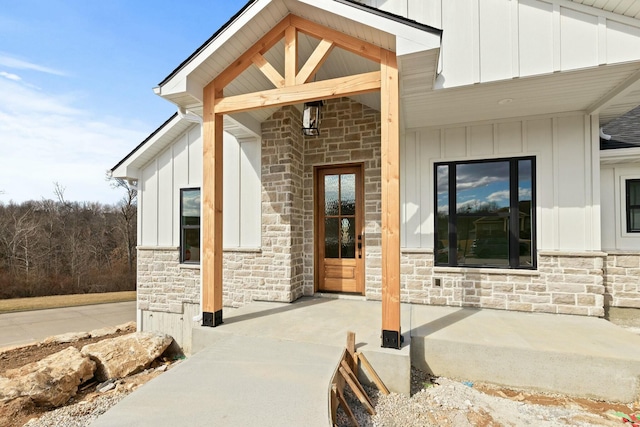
(458, 161)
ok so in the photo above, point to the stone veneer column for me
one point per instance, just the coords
(282, 205)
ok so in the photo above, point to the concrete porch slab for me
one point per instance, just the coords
(575, 355)
(324, 321)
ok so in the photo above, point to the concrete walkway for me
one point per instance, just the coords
(27, 327)
(270, 363)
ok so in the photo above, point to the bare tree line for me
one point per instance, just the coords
(57, 247)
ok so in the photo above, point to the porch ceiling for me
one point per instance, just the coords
(417, 60)
(609, 90)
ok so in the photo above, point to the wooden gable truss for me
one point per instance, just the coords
(296, 87)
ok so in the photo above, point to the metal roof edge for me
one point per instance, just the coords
(209, 40)
(398, 18)
(147, 139)
(370, 9)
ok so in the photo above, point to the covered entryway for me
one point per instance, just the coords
(277, 54)
(339, 224)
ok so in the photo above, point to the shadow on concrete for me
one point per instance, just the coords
(300, 303)
(440, 323)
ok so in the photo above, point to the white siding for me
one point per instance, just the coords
(613, 207)
(561, 146)
(491, 40)
(180, 166)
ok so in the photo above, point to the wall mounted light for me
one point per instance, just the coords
(311, 118)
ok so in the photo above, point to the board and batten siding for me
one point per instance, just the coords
(490, 40)
(567, 214)
(613, 197)
(180, 166)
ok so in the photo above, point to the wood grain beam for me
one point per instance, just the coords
(290, 56)
(268, 70)
(211, 192)
(390, 170)
(325, 89)
(244, 61)
(344, 41)
(315, 61)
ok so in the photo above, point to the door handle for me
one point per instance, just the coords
(360, 246)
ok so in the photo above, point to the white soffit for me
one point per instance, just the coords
(530, 96)
(630, 8)
(185, 86)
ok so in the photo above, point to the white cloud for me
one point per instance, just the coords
(498, 196)
(19, 64)
(524, 193)
(10, 76)
(44, 139)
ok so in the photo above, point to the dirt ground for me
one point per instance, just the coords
(19, 411)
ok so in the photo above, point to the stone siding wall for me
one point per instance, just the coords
(564, 283)
(163, 285)
(622, 279)
(349, 133)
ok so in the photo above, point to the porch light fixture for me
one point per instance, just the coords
(311, 118)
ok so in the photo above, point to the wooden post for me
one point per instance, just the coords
(390, 147)
(211, 210)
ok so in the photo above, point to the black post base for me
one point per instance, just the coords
(391, 339)
(212, 319)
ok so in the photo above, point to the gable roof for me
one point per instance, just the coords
(416, 45)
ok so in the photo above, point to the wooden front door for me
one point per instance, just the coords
(339, 229)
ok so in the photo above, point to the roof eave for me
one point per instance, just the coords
(411, 37)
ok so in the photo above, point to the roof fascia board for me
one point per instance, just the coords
(407, 34)
(122, 168)
(596, 11)
(176, 81)
(411, 36)
(620, 155)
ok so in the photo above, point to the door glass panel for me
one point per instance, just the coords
(331, 194)
(331, 238)
(348, 237)
(525, 212)
(348, 194)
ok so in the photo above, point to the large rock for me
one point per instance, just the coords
(127, 354)
(50, 381)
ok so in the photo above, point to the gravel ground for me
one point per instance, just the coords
(80, 414)
(441, 402)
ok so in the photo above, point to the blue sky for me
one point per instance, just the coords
(76, 81)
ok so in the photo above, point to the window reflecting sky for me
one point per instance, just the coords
(191, 203)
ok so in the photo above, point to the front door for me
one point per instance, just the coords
(339, 229)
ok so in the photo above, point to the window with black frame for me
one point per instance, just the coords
(485, 213)
(633, 205)
(190, 225)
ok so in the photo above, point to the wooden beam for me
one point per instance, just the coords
(344, 41)
(290, 56)
(315, 61)
(211, 262)
(244, 61)
(325, 89)
(390, 147)
(268, 70)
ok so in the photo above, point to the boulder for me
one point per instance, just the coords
(66, 338)
(99, 333)
(126, 354)
(51, 381)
